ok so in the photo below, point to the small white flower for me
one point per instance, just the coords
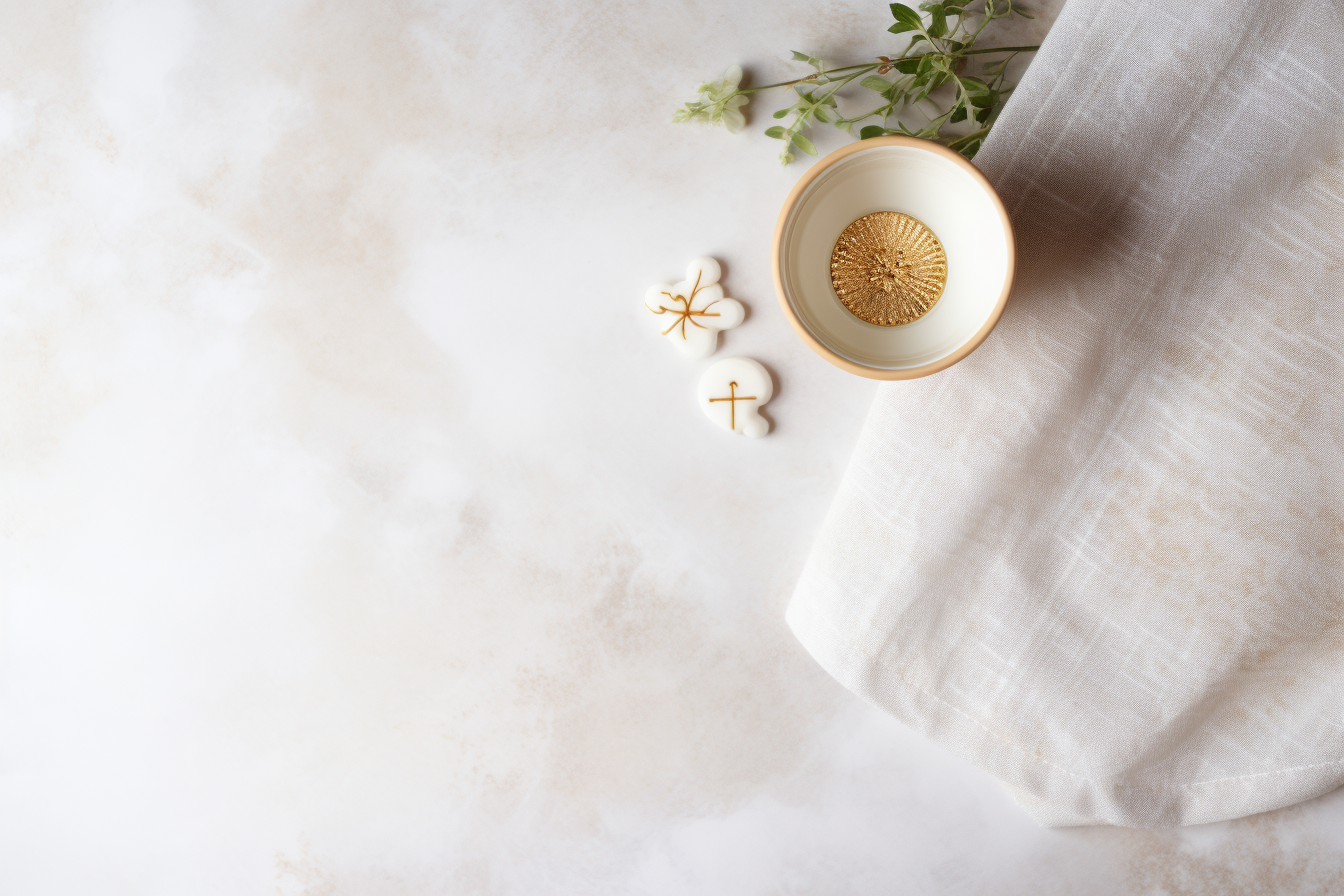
(732, 77)
(733, 120)
(718, 102)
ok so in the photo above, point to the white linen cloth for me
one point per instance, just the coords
(1103, 556)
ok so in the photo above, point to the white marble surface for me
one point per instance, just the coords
(359, 538)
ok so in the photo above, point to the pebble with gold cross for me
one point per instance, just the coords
(732, 392)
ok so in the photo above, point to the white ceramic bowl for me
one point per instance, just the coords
(929, 182)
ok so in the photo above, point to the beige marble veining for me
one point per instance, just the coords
(357, 536)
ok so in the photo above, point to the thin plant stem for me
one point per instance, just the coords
(998, 50)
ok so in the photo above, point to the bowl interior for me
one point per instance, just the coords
(936, 190)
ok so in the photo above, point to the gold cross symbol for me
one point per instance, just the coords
(734, 398)
(685, 313)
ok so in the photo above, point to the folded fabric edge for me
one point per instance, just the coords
(1052, 795)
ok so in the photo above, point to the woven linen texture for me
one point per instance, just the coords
(1103, 557)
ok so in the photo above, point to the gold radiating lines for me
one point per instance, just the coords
(685, 312)
(888, 269)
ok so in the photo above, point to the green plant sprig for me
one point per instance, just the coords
(938, 55)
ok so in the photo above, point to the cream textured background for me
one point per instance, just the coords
(359, 538)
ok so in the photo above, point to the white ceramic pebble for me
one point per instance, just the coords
(732, 392)
(691, 313)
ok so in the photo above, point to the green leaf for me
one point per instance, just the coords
(804, 144)
(873, 130)
(980, 93)
(814, 61)
(958, 113)
(970, 149)
(873, 82)
(937, 22)
(906, 66)
(926, 70)
(777, 132)
(821, 115)
(983, 115)
(781, 113)
(906, 19)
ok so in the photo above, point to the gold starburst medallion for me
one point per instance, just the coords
(888, 269)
